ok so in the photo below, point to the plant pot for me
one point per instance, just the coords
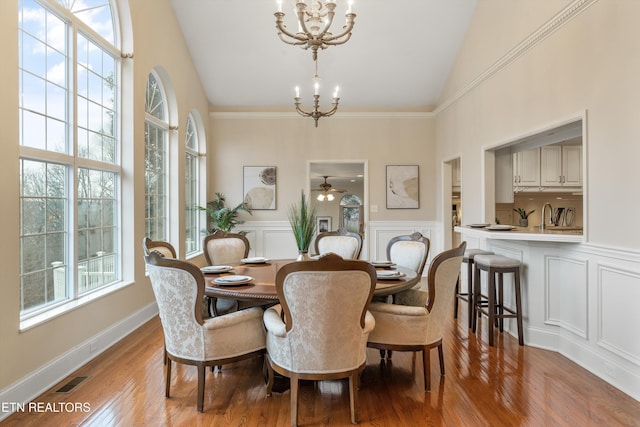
(303, 256)
(524, 222)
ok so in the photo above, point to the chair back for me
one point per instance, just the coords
(178, 287)
(165, 248)
(443, 276)
(410, 251)
(225, 248)
(345, 243)
(325, 302)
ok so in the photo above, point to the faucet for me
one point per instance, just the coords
(544, 207)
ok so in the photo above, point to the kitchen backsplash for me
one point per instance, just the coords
(528, 201)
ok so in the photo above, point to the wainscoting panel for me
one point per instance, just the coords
(567, 294)
(618, 313)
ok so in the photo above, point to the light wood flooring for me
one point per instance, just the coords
(506, 385)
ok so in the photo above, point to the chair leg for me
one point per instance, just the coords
(294, 400)
(500, 303)
(426, 360)
(270, 375)
(382, 353)
(519, 307)
(476, 299)
(491, 291)
(470, 309)
(353, 396)
(167, 385)
(201, 376)
(441, 357)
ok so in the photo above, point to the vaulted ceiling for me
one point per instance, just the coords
(398, 58)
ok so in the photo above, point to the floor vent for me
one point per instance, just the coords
(71, 385)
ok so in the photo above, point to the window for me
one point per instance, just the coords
(156, 160)
(69, 151)
(192, 189)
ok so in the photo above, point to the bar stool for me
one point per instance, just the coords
(493, 305)
(469, 255)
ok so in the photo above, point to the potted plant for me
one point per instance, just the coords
(302, 217)
(524, 216)
(221, 217)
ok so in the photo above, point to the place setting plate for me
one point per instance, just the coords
(216, 269)
(255, 260)
(382, 264)
(500, 227)
(479, 225)
(389, 275)
(234, 280)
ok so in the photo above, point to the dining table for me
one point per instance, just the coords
(261, 275)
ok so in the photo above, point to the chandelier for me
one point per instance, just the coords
(314, 22)
(316, 114)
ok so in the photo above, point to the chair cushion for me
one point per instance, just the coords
(408, 254)
(470, 254)
(498, 261)
(344, 246)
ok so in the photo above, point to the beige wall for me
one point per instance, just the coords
(157, 42)
(591, 63)
(289, 142)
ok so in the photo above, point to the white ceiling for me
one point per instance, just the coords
(398, 58)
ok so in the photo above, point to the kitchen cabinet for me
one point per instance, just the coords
(561, 166)
(526, 168)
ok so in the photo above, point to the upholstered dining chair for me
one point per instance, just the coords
(412, 328)
(409, 251)
(189, 339)
(345, 243)
(222, 248)
(165, 248)
(326, 324)
(225, 248)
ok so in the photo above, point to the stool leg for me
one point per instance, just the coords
(470, 299)
(475, 300)
(519, 307)
(491, 291)
(456, 300)
(500, 304)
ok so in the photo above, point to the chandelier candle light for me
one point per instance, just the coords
(314, 22)
(316, 114)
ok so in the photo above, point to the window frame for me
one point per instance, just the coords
(70, 159)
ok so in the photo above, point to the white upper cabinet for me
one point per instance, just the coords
(561, 166)
(526, 168)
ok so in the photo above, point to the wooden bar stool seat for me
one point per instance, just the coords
(493, 304)
(467, 296)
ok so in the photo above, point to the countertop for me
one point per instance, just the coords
(533, 234)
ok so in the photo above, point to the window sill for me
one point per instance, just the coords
(51, 314)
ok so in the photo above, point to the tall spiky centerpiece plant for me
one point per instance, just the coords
(302, 217)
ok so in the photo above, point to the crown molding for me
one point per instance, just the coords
(339, 115)
(553, 24)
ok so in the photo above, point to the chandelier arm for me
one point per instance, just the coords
(294, 42)
(283, 29)
(327, 25)
(346, 31)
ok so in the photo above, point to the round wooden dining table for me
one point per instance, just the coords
(263, 289)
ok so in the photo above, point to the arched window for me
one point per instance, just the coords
(69, 151)
(156, 129)
(351, 215)
(192, 187)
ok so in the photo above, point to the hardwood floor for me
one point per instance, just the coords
(507, 385)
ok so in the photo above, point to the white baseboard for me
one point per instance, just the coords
(42, 379)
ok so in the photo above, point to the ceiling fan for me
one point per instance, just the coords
(326, 189)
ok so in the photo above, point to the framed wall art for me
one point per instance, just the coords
(403, 189)
(259, 187)
(323, 223)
